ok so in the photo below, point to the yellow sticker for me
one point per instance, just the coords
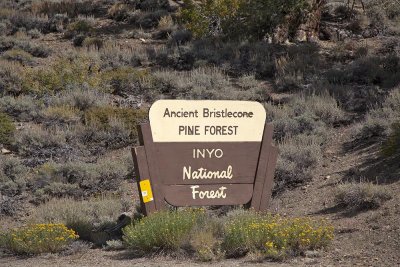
(145, 188)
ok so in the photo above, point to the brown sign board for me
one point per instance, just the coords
(202, 153)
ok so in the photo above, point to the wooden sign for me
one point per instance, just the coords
(201, 153)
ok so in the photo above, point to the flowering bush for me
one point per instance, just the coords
(162, 230)
(273, 235)
(39, 238)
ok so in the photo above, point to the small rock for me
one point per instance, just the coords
(312, 254)
(5, 151)
(310, 261)
(327, 177)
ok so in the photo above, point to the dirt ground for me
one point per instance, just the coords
(368, 238)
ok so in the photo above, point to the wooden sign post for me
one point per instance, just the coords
(203, 153)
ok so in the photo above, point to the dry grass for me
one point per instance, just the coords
(299, 158)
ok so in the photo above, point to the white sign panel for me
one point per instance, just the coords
(207, 121)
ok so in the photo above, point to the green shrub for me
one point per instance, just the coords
(77, 179)
(205, 83)
(34, 33)
(18, 55)
(147, 20)
(58, 189)
(37, 142)
(390, 8)
(71, 8)
(164, 230)
(80, 98)
(308, 115)
(13, 176)
(10, 78)
(60, 114)
(80, 26)
(98, 137)
(62, 74)
(118, 12)
(362, 195)
(23, 108)
(11, 206)
(103, 117)
(39, 238)
(257, 19)
(273, 236)
(34, 50)
(114, 56)
(299, 157)
(83, 216)
(28, 21)
(378, 122)
(152, 5)
(206, 238)
(293, 69)
(373, 70)
(325, 108)
(7, 129)
(124, 80)
(239, 233)
(95, 42)
(392, 144)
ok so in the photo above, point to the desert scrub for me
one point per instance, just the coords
(165, 230)
(70, 8)
(82, 25)
(392, 145)
(83, 216)
(274, 236)
(39, 238)
(379, 122)
(257, 18)
(298, 160)
(81, 98)
(77, 178)
(102, 117)
(18, 55)
(360, 195)
(7, 129)
(63, 74)
(60, 114)
(34, 50)
(372, 70)
(305, 114)
(114, 56)
(124, 80)
(10, 78)
(206, 83)
(13, 176)
(205, 239)
(22, 108)
(40, 142)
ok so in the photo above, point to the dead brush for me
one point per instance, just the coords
(360, 195)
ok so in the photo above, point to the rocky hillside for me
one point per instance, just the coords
(76, 77)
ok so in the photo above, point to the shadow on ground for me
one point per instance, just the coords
(377, 169)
